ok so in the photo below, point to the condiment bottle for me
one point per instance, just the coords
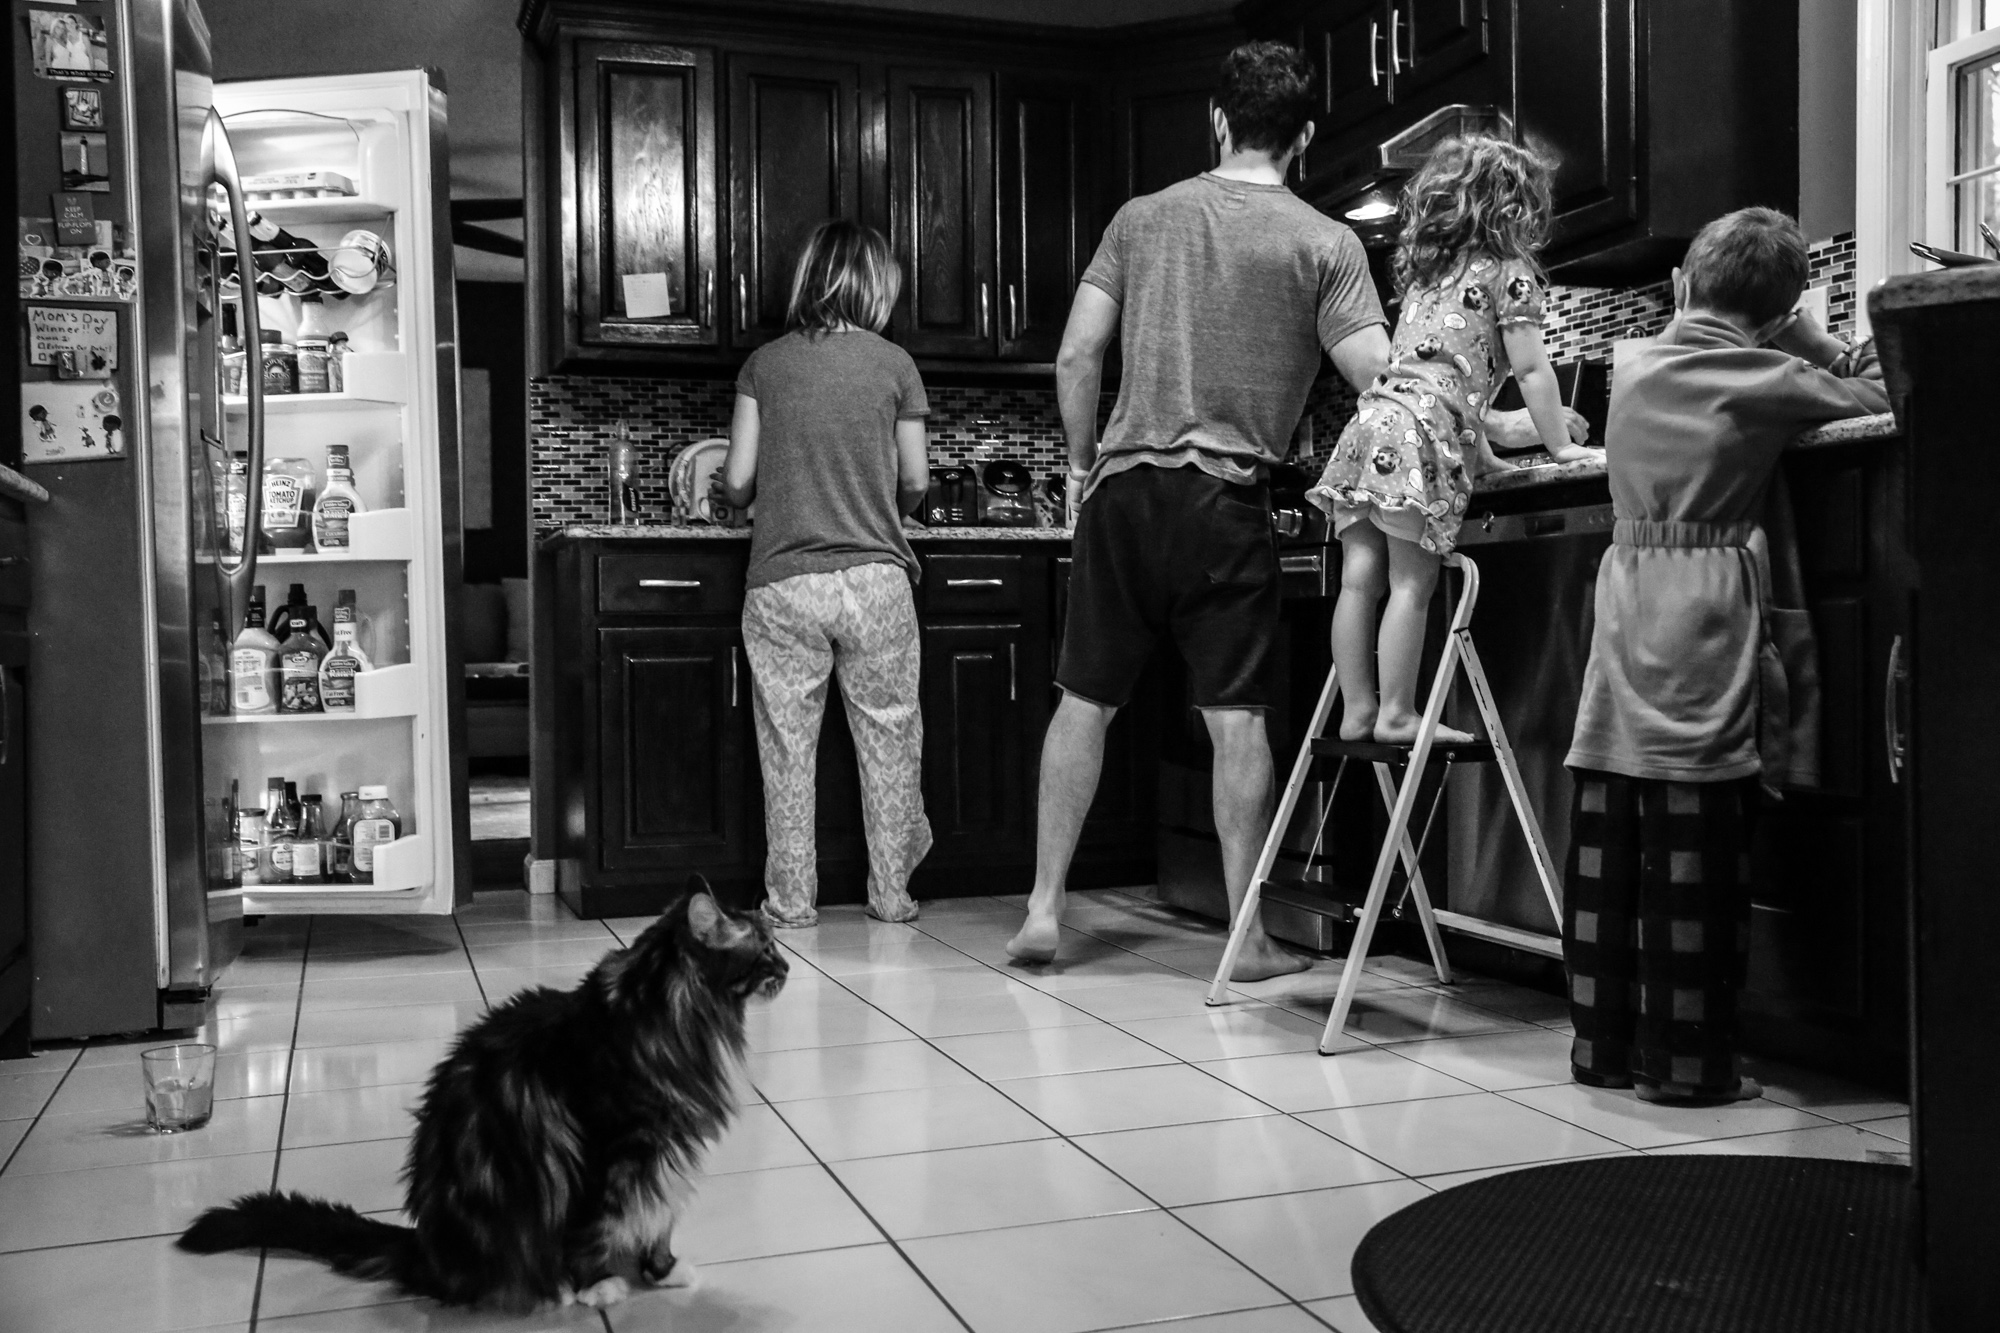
(235, 361)
(289, 492)
(300, 656)
(376, 824)
(308, 849)
(250, 846)
(253, 664)
(236, 500)
(311, 342)
(295, 609)
(336, 503)
(281, 362)
(336, 363)
(344, 661)
(343, 837)
(280, 828)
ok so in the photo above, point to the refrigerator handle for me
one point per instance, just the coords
(219, 159)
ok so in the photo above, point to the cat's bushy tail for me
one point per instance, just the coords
(334, 1233)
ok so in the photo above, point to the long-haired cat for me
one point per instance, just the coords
(556, 1141)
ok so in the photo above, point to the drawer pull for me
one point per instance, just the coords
(6, 560)
(732, 677)
(1301, 564)
(670, 583)
(975, 583)
(1893, 734)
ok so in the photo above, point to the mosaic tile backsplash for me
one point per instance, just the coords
(572, 417)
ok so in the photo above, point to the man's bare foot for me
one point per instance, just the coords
(1037, 939)
(1263, 958)
(1400, 732)
(1670, 1094)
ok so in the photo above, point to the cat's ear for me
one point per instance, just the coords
(705, 918)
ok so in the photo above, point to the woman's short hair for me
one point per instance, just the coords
(845, 275)
(1750, 263)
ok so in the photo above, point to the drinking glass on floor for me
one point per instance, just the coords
(180, 1086)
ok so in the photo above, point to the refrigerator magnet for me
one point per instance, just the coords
(83, 108)
(68, 45)
(75, 218)
(70, 423)
(76, 344)
(86, 161)
(104, 268)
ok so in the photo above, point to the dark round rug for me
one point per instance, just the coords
(1696, 1244)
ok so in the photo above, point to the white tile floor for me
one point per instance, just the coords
(940, 1142)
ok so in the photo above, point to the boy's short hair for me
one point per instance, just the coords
(1750, 263)
(1266, 95)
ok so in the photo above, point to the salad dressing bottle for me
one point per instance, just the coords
(253, 664)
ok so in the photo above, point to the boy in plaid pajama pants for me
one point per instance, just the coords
(1668, 747)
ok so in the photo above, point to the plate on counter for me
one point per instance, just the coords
(692, 475)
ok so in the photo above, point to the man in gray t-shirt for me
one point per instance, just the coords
(1223, 289)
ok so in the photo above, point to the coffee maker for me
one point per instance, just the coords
(953, 499)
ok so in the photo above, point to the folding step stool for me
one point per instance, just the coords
(1401, 800)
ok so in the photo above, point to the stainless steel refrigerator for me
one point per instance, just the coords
(141, 754)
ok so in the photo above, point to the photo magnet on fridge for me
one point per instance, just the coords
(103, 269)
(83, 108)
(69, 423)
(69, 45)
(86, 161)
(77, 344)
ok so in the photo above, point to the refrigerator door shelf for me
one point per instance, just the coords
(378, 534)
(305, 212)
(400, 867)
(389, 691)
(374, 379)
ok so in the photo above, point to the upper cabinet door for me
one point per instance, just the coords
(1350, 46)
(794, 162)
(1573, 101)
(941, 203)
(1043, 214)
(1431, 39)
(1169, 136)
(644, 238)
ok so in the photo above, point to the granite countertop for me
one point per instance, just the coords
(678, 532)
(1881, 426)
(19, 487)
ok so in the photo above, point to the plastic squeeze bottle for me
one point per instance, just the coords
(344, 661)
(336, 502)
(253, 663)
(299, 657)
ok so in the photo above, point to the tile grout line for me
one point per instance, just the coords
(284, 1111)
(76, 1057)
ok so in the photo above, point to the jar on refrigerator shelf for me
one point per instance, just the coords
(281, 827)
(376, 823)
(281, 362)
(336, 363)
(309, 846)
(250, 846)
(341, 869)
(290, 490)
(311, 342)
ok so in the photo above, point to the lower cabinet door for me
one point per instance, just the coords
(976, 788)
(677, 752)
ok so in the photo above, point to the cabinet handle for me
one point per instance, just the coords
(1013, 312)
(6, 560)
(1374, 56)
(1892, 728)
(708, 300)
(1395, 41)
(1301, 564)
(985, 309)
(742, 302)
(670, 583)
(975, 583)
(732, 676)
(1013, 680)
(6, 730)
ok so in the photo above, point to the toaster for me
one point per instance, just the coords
(953, 500)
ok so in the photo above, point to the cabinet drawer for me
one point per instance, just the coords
(679, 583)
(13, 562)
(973, 584)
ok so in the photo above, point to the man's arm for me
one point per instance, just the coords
(1093, 322)
(1362, 355)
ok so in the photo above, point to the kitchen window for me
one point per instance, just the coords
(1963, 139)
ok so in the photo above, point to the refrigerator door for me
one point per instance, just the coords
(348, 176)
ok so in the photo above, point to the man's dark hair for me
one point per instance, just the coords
(1750, 263)
(1266, 94)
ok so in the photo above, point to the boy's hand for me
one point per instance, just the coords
(1803, 337)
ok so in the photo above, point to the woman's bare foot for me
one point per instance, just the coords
(1403, 731)
(1262, 958)
(1670, 1094)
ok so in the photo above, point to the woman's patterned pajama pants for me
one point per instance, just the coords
(862, 622)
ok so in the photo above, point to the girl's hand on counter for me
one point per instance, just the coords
(1577, 453)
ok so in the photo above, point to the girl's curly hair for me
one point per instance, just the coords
(1473, 195)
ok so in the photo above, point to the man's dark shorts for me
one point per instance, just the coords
(1172, 550)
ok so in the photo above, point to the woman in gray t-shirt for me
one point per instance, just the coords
(829, 439)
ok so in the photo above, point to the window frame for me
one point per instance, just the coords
(1940, 137)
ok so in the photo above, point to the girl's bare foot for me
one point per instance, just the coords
(1262, 958)
(1404, 732)
(1357, 720)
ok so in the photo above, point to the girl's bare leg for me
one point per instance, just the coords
(1364, 578)
(1413, 574)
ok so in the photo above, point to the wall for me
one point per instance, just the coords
(1827, 73)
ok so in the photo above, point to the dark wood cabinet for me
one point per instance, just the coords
(675, 749)
(15, 966)
(1169, 134)
(1573, 101)
(976, 789)
(1348, 44)
(941, 206)
(794, 162)
(1431, 40)
(643, 170)
(1045, 215)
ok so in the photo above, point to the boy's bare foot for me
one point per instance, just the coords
(1263, 958)
(1669, 1094)
(1037, 939)
(1405, 733)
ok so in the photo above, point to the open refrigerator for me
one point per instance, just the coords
(137, 759)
